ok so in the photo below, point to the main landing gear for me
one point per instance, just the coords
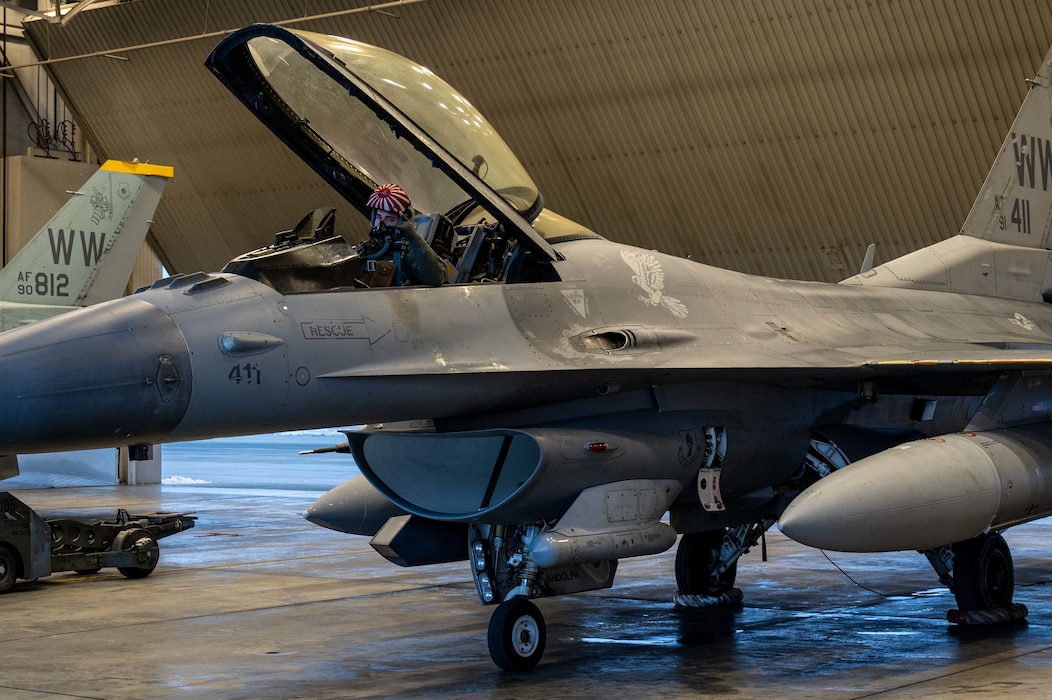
(981, 576)
(517, 635)
(707, 564)
(698, 567)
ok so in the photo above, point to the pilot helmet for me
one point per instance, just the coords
(389, 197)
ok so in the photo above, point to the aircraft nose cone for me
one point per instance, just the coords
(354, 507)
(112, 374)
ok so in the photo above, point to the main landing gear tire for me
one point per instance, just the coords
(696, 557)
(983, 574)
(516, 635)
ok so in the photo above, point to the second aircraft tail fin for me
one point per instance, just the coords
(85, 253)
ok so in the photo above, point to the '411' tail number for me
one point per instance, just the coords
(245, 374)
(1020, 217)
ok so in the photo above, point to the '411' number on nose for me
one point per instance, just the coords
(245, 374)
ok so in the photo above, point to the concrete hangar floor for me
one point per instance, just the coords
(255, 602)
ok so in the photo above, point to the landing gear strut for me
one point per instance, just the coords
(516, 635)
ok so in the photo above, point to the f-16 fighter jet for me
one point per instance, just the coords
(557, 392)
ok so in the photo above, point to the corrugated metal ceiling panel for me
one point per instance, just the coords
(772, 137)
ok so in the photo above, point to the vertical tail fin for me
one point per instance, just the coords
(1014, 205)
(1004, 248)
(85, 253)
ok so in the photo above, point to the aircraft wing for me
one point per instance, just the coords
(977, 359)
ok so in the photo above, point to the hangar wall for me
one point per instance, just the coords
(36, 189)
(778, 138)
(44, 156)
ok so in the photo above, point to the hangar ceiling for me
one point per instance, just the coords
(778, 138)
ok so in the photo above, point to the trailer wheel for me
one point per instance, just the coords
(8, 569)
(144, 546)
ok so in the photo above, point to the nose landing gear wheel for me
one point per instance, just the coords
(516, 635)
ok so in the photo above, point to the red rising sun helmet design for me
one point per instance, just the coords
(389, 197)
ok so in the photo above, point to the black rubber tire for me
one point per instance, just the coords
(983, 574)
(147, 553)
(517, 635)
(695, 557)
(8, 569)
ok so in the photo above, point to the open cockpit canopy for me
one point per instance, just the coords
(361, 116)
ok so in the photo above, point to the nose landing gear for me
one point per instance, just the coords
(517, 634)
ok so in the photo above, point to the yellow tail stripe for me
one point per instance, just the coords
(123, 166)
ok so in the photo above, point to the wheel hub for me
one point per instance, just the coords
(525, 635)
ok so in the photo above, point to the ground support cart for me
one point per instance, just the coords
(32, 548)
